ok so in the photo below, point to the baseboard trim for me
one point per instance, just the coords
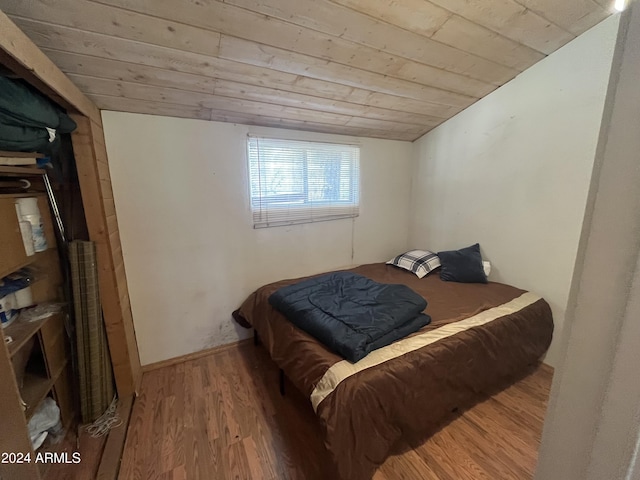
(547, 367)
(194, 356)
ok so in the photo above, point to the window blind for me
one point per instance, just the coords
(293, 181)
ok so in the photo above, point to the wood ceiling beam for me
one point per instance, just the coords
(122, 104)
(357, 63)
(607, 5)
(116, 22)
(424, 18)
(363, 39)
(79, 64)
(512, 20)
(252, 60)
(251, 53)
(25, 59)
(85, 79)
(576, 16)
(386, 106)
(358, 26)
(239, 105)
(124, 24)
(261, 94)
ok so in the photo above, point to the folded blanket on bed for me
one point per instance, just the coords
(351, 314)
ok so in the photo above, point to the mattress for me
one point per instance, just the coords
(481, 337)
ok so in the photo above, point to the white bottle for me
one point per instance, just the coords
(23, 298)
(27, 235)
(29, 211)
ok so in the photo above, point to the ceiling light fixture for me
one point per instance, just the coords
(620, 5)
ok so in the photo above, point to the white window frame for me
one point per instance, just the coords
(275, 210)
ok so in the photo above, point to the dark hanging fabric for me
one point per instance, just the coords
(24, 139)
(25, 115)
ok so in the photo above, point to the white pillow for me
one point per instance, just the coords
(420, 262)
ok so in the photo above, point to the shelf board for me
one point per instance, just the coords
(35, 389)
(6, 153)
(21, 171)
(21, 332)
(23, 194)
(29, 260)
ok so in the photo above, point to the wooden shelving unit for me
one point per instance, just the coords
(35, 364)
(36, 388)
(21, 332)
(19, 55)
(34, 391)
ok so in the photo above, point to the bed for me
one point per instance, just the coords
(481, 337)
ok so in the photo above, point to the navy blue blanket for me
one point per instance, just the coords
(351, 314)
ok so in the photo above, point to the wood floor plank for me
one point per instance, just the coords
(222, 417)
(77, 439)
(139, 429)
(254, 461)
(506, 461)
(179, 473)
(238, 464)
(407, 466)
(153, 443)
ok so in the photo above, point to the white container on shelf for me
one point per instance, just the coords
(23, 298)
(27, 236)
(28, 210)
(26, 232)
(8, 311)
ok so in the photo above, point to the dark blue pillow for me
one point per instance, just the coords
(464, 265)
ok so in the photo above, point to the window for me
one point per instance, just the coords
(300, 182)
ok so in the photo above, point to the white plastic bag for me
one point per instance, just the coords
(40, 311)
(45, 419)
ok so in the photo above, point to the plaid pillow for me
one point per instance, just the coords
(419, 262)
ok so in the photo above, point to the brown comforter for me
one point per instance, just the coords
(481, 335)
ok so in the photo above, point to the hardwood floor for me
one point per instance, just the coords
(222, 417)
(90, 450)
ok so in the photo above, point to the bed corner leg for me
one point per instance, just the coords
(282, 382)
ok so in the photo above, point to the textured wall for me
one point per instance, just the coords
(191, 253)
(512, 171)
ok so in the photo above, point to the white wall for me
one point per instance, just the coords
(593, 421)
(513, 170)
(190, 250)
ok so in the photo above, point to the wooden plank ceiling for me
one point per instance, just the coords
(375, 68)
